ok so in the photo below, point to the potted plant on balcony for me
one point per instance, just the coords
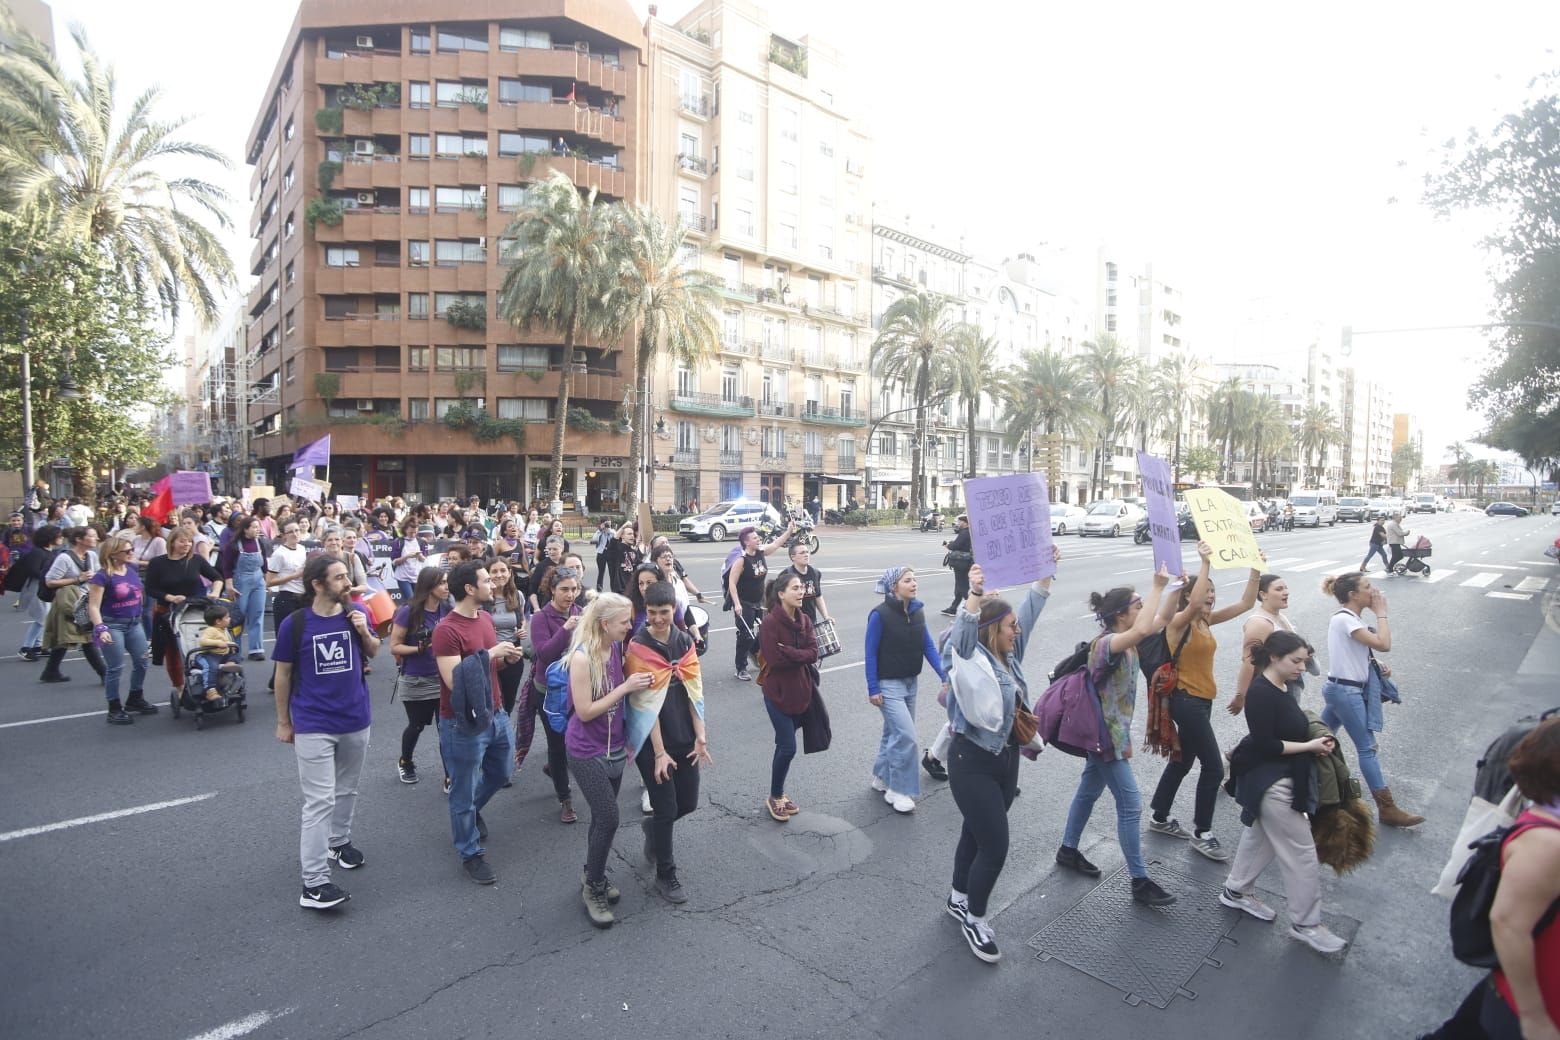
(467, 314)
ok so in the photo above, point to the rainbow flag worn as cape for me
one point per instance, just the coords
(644, 707)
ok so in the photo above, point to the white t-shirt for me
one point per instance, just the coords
(285, 561)
(1347, 657)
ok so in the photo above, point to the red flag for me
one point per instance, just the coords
(159, 507)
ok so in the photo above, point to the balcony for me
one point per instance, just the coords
(775, 351)
(685, 460)
(692, 164)
(740, 347)
(608, 180)
(828, 416)
(695, 222)
(812, 463)
(560, 116)
(731, 459)
(697, 105)
(710, 404)
(771, 408)
(770, 456)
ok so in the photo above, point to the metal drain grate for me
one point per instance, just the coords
(1148, 954)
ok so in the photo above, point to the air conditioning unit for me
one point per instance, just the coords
(362, 147)
(366, 42)
(365, 404)
(365, 198)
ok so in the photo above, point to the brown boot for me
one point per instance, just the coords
(1391, 815)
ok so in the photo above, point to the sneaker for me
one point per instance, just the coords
(566, 811)
(1170, 828)
(1318, 938)
(346, 856)
(257, 655)
(1072, 859)
(776, 807)
(958, 909)
(934, 769)
(478, 870)
(644, 825)
(60, 677)
(120, 717)
(644, 804)
(1209, 846)
(982, 940)
(407, 771)
(1249, 904)
(950, 612)
(323, 897)
(1147, 891)
(670, 888)
(481, 827)
(902, 803)
(613, 895)
(744, 675)
(447, 783)
(594, 895)
(141, 706)
(879, 786)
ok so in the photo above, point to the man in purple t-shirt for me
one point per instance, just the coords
(322, 711)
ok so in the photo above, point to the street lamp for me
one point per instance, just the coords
(66, 389)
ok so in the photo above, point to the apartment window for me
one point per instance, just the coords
(417, 254)
(688, 144)
(417, 409)
(422, 40)
(290, 369)
(687, 381)
(774, 386)
(289, 226)
(789, 118)
(442, 405)
(289, 130)
(826, 241)
(787, 235)
(512, 144)
(887, 444)
(690, 88)
(450, 252)
(847, 396)
(288, 177)
(446, 145)
(417, 306)
(442, 301)
(846, 295)
(744, 163)
(845, 448)
(730, 383)
(462, 40)
(516, 39)
(289, 325)
(688, 203)
(450, 200)
(417, 200)
(291, 274)
(417, 95)
(731, 270)
(814, 395)
(993, 452)
(526, 409)
(459, 359)
(744, 221)
(519, 359)
(387, 308)
(730, 437)
(341, 256)
(417, 359)
(417, 146)
(731, 326)
(745, 116)
(688, 257)
(513, 91)
(785, 177)
(451, 93)
(686, 442)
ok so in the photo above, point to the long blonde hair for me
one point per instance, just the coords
(111, 546)
(589, 637)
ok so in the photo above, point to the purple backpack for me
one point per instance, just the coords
(1069, 711)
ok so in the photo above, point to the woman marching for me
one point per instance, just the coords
(1275, 784)
(1190, 635)
(552, 629)
(508, 610)
(417, 672)
(115, 609)
(898, 641)
(243, 564)
(789, 679)
(67, 574)
(1269, 617)
(987, 644)
(174, 577)
(1353, 698)
(595, 737)
(1127, 619)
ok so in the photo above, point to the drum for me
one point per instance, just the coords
(380, 607)
(828, 639)
(699, 618)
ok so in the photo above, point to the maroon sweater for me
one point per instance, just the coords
(788, 649)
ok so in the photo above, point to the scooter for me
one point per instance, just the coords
(933, 520)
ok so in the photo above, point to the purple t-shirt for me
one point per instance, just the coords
(589, 739)
(122, 593)
(330, 694)
(421, 664)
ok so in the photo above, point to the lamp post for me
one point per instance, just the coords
(66, 389)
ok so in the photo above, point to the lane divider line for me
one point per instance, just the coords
(242, 1026)
(54, 718)
(81, 821)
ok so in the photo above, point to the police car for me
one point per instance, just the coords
(724, 519)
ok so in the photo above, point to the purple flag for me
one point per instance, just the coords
(315, 453)
(1159, 493)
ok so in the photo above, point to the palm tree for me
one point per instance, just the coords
(1223, 403)
(1267, 431)
(973, 372)
(561, 251)
(1460, 471)
(1109, 369)
(1048, 390)
(912, 348)
(674, 305)
(1318, 431)
(1483, 471)
(1141, 406)
(107, 185)
(1175, 381)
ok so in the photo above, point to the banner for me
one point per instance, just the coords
(304, 487)
(315, 453)
(1159, 496)
(1221, 522)
(380, 559)
(1010, 528)
(190, 487)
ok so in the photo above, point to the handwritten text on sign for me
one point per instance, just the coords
(1010, 528)
(1222, 523)
(1159, 494)
(190, 487)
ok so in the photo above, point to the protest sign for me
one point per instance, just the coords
(190, 487)
(255, 492)
(347, 503)
(1010, 528)
(1159, 495)
(304, 487)
(1221, 522)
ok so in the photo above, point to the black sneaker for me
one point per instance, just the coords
(481, 827)
(1147, 891)
(478, 870)
(257, 655)
(323, 897)
(141, 706)
(950, 612)
(1072, 859)
(120, 717)
(958, 909)
(58, 677)
(670, 888)
(982, 940)
(744, 675)
(407, 771)
(346, 856)
(933, 767)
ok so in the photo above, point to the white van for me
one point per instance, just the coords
(1315, 507)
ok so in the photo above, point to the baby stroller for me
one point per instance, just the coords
(187, 619)
(1414, 558)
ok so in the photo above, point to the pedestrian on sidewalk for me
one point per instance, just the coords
(986, 649)
(788, 675)
(1378, 544)
(115, 610)
(897, 644)
(552, 629)
(1397, 534)
(417, 672)
(1126, 619)
(1353, 700)
(595, 737)
(322, 710)
(1274, 776)
(479, 753)
(959, 559)
(1190, 635)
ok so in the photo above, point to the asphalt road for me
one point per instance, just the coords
(182, 920)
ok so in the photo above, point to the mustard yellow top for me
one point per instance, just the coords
(1196, 665)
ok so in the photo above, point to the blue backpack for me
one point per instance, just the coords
(558, 704)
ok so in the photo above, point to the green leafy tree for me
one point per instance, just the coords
(1406, 460)
(560, 252)
(1048, 391)
(1267, 433)
(1461, 469)
(912, 347)
(1317, 431)
(1109, 369)
(674, 306)
(1200, 461)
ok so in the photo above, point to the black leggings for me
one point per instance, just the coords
(961, 586)
(419, 716)
(747, 634)
(509, 684)
(670, 801)
(530, 719)
(599, 782)
(1193, 717)
(601, 571)
(984, 786)
(93, 655)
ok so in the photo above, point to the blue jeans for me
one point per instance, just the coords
(1346, 705)
(408, 589)
(1375, 550)
(785, 747)
(129, 640)
(1098, 775)
(251, 604)
(479, 765)
(146, 617)
(34, 635)
(211, 668)
(896, 763)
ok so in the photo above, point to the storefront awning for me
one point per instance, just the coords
(839, 478)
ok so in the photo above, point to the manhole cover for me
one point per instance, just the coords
(1148, 954)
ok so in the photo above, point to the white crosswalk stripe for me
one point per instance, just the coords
(1435, 576)
(1508, 595)
(1315, 566)
(1480, 580)
(1532, 584)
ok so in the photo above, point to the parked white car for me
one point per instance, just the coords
(725, 519)
(1065, 517)
(1110, 517)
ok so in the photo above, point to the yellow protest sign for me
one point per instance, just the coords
(1221, 522)
(258, 491)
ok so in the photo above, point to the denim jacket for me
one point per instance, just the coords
(964, 641)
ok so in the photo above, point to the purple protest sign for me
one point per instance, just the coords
(190, 487)
(1010, 528)
(1159, 494)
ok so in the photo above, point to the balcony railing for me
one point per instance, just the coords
(694, 222)
(812, 462)
(709, 404)
(772, 455)
(770, 407)
(730, 345)
(693, 164)
(731, 459)
(685, 460)
(694, 105)
(777, 351)
(834, 416)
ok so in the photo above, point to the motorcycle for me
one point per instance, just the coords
(1184, 522)
(804, 528)
(933, 520)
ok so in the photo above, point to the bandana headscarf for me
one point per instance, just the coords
(890, 578)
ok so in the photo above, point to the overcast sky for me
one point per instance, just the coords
(1269, 160)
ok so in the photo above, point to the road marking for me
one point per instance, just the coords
(1436, 576)
(1480, 580)
(839, 667)
(1500, 567)
(1507, 595)
(29, 832)
(1284, 561)
(52, 718)
(1539, 563)
(242, 1026)
(1532, 585)
(1315, 566)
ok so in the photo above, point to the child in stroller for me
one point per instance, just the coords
(217, 649)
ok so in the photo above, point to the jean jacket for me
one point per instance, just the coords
(964, 641)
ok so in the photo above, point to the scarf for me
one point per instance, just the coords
(644, 706)
(890, 578)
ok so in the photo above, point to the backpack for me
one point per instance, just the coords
(45, 590)
(1073, 662)
(558, 704)
(1472, 942)
(1068, 712)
